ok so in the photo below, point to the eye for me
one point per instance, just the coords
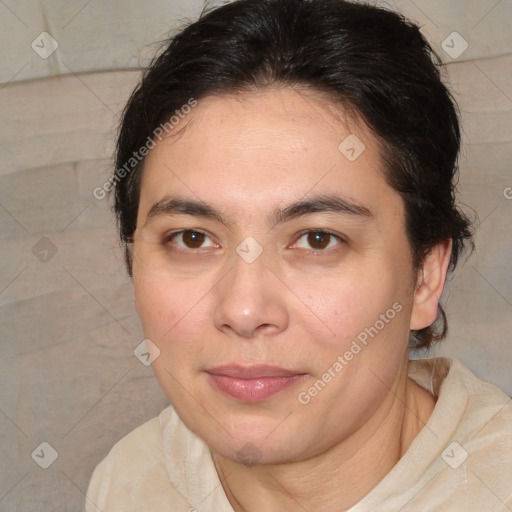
(189, 239)
(318, 240)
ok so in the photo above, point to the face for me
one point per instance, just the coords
(272, 274)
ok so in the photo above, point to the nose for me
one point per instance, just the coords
(250, 301)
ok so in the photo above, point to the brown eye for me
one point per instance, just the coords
(318, 240)
(189, 239)
(193, 239)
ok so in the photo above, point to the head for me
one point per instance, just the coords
(299, 192)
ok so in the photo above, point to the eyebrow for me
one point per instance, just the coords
(318, 204)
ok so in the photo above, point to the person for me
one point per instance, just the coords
(285, 192)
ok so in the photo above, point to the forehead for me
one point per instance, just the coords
(259, 150)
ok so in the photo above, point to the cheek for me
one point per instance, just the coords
(367, 313)
(165, 305)
(154, 307)
(339, 308)
(172, 313)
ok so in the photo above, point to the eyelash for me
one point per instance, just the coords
(171, 237)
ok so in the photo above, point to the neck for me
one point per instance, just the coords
(335, 480)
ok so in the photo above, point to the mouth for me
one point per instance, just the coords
(253, 383)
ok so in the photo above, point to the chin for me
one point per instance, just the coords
(252, 452)
(257, 443)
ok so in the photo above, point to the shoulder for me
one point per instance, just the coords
(471, 432)
(133, 476)
(451, 379)
(474, 407)
(485, 406)
(485, 434)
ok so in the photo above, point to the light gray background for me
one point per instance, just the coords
(67, 326)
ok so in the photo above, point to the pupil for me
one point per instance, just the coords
(318, 240)
(193, 239)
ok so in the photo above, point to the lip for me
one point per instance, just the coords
(252, 383)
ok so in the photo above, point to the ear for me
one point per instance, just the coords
(430, 285)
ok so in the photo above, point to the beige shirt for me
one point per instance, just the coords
(460, 461)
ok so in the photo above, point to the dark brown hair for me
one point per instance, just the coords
(368, 58)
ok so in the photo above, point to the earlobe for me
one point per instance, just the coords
(429, 288)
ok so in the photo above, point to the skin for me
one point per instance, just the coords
(299, 305)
